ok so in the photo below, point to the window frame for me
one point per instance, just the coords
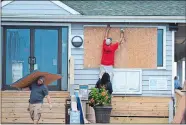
(164, 47)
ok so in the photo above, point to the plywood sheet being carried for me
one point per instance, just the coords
(139, 50)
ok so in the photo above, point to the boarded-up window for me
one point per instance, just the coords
(139, 50)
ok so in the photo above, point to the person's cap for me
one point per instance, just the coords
(41, 78)
(110, 38)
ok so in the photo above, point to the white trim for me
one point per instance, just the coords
(6, 2)
(99, 19)
(64, 6)
(34, 24)
(173, 41)
(69, 40)
(130, 92)
(171, 109)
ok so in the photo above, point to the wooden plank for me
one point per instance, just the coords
(25, 105)
(162, 113)
(140, 104)
(22, 94)
(62, 100)
(130, 106)
(138, 120)
(140, 99)
(27, 115)
(28, 120)
(44, 110)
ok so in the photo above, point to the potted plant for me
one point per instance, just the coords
(100, 100)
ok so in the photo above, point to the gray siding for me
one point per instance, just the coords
(44, 7)
(90, 76)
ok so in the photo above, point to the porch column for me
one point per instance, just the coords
(179, 70)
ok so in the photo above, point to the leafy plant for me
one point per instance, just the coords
(99, 97)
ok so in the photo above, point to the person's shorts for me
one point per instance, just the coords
(107, 69)
(35, 111)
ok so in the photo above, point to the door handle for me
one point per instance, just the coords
(34, 60)
(31, 60)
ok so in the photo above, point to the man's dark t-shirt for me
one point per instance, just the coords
(38, 93)
(108, 86)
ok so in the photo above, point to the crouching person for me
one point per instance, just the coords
(38, 92)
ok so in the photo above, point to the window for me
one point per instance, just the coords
(160, 48)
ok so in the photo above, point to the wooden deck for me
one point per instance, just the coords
(125, 109)
(15, 104)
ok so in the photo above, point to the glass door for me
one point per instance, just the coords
(47, 53)
(35, 48)
(17, 44)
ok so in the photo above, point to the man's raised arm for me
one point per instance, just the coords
(122, 36)
(107, 31)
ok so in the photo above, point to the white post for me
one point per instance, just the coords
(173, 42)
(71, 85)
(171, 117)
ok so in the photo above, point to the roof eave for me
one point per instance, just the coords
(84, 18)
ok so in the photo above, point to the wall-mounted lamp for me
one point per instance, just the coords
(77, 41)
(173, 27)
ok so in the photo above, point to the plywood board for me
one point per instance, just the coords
(30, 78)
(139, 50)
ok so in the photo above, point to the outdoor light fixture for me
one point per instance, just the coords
(173, 27)
(77, 41)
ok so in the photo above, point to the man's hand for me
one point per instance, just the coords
(122, 37)
(49, 101)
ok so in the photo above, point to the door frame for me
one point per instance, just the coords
(37, 26)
